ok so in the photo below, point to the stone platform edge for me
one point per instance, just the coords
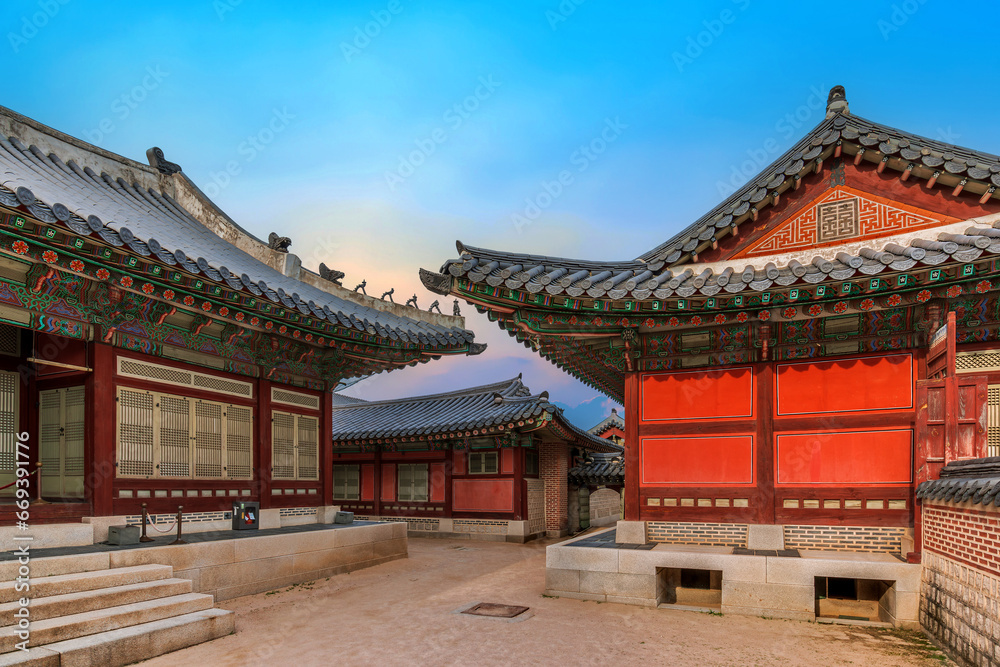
(232, 568)
(775, 587)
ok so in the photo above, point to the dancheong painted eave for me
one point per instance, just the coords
(477, 412)
(160, 232)
(593, 318)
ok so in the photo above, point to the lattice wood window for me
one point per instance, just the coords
(993, 430)
(346, 482)
(412, 481)
(61, 427)
(294, 446)
(175, 437)
(10, 340)
(9, 384)
(483, 463)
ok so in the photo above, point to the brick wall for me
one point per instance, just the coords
(701, 534)
(960, 588)
(536, 506)
(552, 464)
(965, 534)
(845, 538)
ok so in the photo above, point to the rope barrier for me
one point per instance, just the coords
(7, 486)
(168, 529)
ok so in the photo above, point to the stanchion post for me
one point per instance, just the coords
(180, 525)
(38, 483)
(145, 520)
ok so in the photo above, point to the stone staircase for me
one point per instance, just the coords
(106, 617)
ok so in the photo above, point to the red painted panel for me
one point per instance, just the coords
(368, 482)
(845, 385)
(507, 461)
(437, 482)
(458, 459)
(845, 458)
(388, 481)
(701, 461)
(716, 394)
(483, 495)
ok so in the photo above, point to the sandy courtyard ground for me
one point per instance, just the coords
(402, 613)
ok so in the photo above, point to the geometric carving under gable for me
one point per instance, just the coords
(841, 214)
(837, 220)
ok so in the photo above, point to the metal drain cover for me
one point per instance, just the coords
(495, 610)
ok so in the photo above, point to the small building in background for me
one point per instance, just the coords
(597, 479)
(487, 462)
(611, 428)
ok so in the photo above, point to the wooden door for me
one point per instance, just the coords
(61, 425)
(952, 423)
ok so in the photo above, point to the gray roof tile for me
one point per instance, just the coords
(122, 211)
(501, 403)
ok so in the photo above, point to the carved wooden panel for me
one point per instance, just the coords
(842, 214)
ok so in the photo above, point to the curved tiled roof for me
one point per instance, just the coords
(614, 420)
(120, 206)
(976, 480)
(635, 280)
(499, 405)
(599, 469)
(341, 399)
(665, 271)
(921, 156)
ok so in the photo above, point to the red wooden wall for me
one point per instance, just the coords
(826, 441)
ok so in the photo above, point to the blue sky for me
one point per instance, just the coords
(447, 120)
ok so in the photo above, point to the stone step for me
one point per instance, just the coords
(53, 565)
(61, 584)
(131, 644)
(103, 620)
(55, 606)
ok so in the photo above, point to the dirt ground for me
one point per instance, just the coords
(402, 613)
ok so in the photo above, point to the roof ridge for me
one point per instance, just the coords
(752, 184)
(59, 135)
(470, 391)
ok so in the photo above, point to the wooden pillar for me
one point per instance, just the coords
(520, 488)
(377, 484)
(326, 448)
(951, 408)
(766, 445)
(632, 412)
(449, 475)
(101, 412)
(263, 454)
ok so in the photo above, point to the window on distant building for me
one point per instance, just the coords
(483, 463)
(346, 484)
(530, 462)
(412, 481)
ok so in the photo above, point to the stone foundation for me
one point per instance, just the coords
(772, 586)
